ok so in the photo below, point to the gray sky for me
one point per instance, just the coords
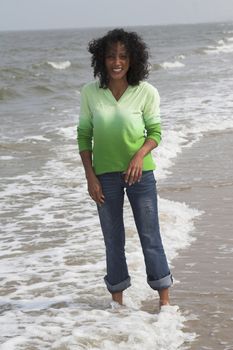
(43, 14)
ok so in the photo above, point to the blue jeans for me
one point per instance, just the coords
(143, 200)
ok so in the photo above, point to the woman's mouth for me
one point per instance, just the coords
(117, 70)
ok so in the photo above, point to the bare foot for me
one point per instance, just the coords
(163, 303)
(116, 306)
(164, 297)
(118, 297)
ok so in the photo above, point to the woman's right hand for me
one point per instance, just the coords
(95, 189)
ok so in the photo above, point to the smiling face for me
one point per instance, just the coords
(117, 62)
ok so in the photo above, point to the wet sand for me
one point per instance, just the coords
(203, 178)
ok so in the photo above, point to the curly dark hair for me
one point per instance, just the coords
(136, 48)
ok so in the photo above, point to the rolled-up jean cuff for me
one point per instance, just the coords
(117, 287)
(164, 282)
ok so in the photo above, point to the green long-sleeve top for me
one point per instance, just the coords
(115, 130)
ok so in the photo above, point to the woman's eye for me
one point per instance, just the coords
(112, 57)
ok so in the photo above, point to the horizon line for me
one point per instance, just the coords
(118, 26)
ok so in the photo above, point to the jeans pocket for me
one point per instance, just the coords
(148, 176)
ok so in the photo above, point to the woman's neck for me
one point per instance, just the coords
(118, 87)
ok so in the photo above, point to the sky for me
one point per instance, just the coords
(54, 14)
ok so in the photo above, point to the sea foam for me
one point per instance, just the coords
(223, 46)
(52, 251)
(54, 256)
(60, 65)
(172, 65)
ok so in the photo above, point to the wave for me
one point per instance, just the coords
(59, 65)
(224, 45)
(43, 200)
(172, 65)
(35, 138)
(168, 65)
(42, 89)
(180, 57)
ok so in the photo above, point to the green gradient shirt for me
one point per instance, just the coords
(115, 130)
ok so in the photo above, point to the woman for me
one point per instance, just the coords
(119, 126)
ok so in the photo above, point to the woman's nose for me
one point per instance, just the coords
(117, 60)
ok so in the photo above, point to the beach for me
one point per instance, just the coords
(202, 178)
(52, 255)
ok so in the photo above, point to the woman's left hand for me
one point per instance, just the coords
(134, 171)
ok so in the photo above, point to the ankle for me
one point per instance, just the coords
(164, 297)
(164, 302)
(118, 297)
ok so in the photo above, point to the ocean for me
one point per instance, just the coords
(52, 258)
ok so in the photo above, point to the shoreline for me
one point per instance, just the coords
(202, 178)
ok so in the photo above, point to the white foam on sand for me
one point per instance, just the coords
(52, 251)
(53, 262)
(177, 218)
(171, 145)
(135, 330)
